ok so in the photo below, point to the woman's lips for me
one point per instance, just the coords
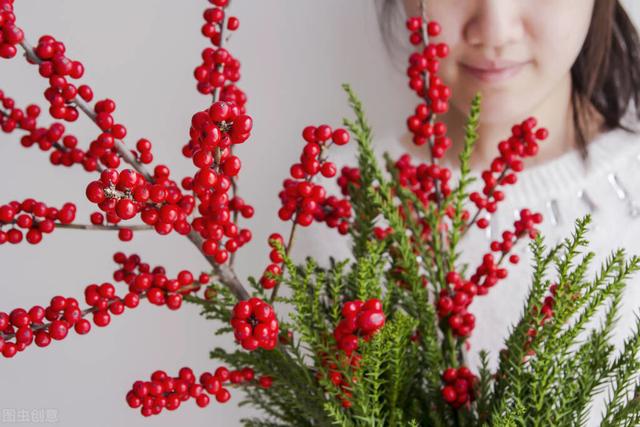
(496, 74)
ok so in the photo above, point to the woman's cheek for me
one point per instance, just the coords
(558, 32)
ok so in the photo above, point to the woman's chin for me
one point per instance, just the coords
(496, 110)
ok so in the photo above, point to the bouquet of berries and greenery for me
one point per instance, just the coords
(374, 340)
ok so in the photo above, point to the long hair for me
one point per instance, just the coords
(606, 72)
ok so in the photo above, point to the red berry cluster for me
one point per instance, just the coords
(426, 182)
(213, 134)
(153, 282)
(454, 304)
(34, 217)
(166, 392)
(423, 179)
(10, 35)
(57, 67)
(420, 125)
(64, 148)
(122, 195)
(525, 226)
(546, 313)
(104, 146)
(548, 303)
(255, 325)
(25, 327)
(522, 143)
(459, 386)
(360, 320)
(422, 70)
(488, 273)
(337, 378)
(21, 327)
(429, 182)
(273, 271)
(348, 176)
(219, 69)
(382, 233)
(304, 201)
(144, 154)
(455, 300)
(62, 96)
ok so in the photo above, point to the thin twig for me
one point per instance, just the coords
(477, 214)
(426, 76)
(214, 95)
(234, 189)
(104, 227)
(292, 232)
(223, 272)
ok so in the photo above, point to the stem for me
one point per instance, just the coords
(104, 227)
(223, 24)
(440, 253)
(451, 343)
(426, 77)
(223, 272)
(89, 226)
(234, 189)
(321, 160)
(274, 293)
(475, 217)
(214, 94)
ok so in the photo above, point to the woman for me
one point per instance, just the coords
(575, 66)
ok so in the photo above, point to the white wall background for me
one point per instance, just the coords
(633, 6)
(141, 53)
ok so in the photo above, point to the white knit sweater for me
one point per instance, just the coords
(562, 189)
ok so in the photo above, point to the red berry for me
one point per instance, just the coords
(449, 394)
(340, 137)
(95, 192)
(125, 234)
(125, 209)
(223, 395)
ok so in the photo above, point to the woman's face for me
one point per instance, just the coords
(517, 53)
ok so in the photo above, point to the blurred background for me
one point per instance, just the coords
(294, 55)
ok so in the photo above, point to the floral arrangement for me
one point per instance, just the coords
(370, 341)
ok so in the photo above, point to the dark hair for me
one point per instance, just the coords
(606, 72)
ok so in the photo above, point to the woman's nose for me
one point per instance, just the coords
(493, 23)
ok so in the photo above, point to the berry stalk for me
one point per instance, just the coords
(84, 107)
